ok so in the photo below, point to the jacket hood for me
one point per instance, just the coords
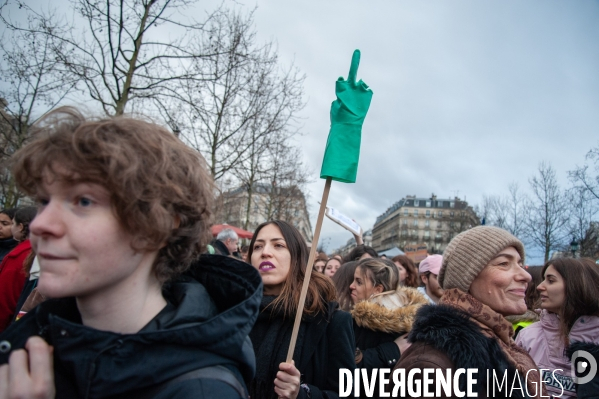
(374, 316)
(213, 309)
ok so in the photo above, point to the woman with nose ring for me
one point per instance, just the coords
(325, 341)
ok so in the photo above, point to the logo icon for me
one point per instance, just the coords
(587, 366)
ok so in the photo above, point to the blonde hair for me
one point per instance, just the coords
(380, 272)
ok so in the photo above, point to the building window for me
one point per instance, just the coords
(427, 234)
(415, 212)
(451, 204)
(416, 203)
(406, 212)
(428, 204)
(427, 223)
(450, 214)
(404, 232)
(415, 222)
(428, 213)
(440, 225)
(439, 235)
(440, 214)
(404, 221)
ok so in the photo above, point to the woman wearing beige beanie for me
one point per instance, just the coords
(483, 281)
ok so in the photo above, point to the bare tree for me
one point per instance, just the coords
(247, 98)
(34, 83)
(124, 52)
(586, 177)
(546, 212)
(583, 211)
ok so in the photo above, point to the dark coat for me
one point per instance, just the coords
(325, 344)
(590, 390)
(445, 338)
(210, 313)
(6, 246)
(220, 248)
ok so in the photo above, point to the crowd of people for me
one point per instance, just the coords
(111, 288)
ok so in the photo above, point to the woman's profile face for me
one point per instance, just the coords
(501, 285)
(17, 230)
(331, 268)
(552, 290)
(402, 272)
(361, 288)
(272, 258)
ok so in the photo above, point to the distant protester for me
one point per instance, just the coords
(429, 270)
(12, 274)
(331, 267)
(383, 313)
(483, 281)
(225, 242)
(360, 252)
(319, 265)
(7, 242)
(408, 273)
(569, 295)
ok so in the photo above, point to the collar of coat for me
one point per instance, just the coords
(374, 316)
(452, 332)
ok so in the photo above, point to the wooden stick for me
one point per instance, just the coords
(302, 301)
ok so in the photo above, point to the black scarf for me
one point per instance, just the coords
(271, 336)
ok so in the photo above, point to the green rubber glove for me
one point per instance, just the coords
(342, 152)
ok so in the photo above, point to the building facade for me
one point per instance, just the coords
(415, 221)
(247, 209)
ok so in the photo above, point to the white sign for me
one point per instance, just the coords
(344, 221)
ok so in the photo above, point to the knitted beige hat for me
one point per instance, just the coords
(470, 251)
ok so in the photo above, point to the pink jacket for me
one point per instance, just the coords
(547, 349)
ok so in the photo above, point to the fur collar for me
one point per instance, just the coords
(451, 331)
(373, 316)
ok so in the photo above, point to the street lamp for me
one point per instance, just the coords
(574, 247)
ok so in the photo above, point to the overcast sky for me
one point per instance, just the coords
(468, 96)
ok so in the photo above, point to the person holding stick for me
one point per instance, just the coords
(325, 341)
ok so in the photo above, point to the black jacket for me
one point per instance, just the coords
(219, 247)
(210, 313)
(6, 246)
(590, 390)
(325, 344)
(444, 337)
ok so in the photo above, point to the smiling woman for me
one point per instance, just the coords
(483, 281)
(325, 339)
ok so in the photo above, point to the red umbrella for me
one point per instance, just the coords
(217, 228)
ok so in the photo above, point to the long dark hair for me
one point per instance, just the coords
(25, 216)
(581, 290)
(320, 289)
(342, 279)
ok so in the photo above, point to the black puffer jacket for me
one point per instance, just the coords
(6, 246)
(210, 313)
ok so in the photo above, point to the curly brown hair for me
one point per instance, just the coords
(161, 190)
